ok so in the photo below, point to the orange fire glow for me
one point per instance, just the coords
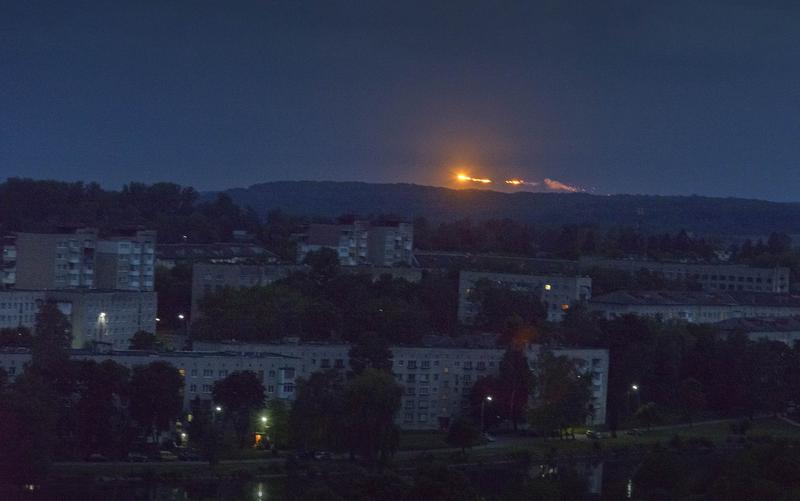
(464, 178)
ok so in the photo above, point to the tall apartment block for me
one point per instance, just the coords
(54, 260)
(361, 242)
(127, 262)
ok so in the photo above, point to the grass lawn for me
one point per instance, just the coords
(422, 440)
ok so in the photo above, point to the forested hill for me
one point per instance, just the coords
(724, 216)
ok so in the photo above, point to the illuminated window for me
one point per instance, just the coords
(547, 287)
(565, 307)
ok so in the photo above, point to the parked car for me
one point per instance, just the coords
(592, 435)
(488, 437)
(137, 457)
(189, 455)
(321, 455)
(167, 456)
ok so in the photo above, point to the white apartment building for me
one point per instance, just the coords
(435, 380)
(199, 369)
(695, 307)
(557, 292)
(105, 316)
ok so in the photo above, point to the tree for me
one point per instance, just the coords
(515, 382)
(143, 340)
(155, 397)
(371, 401)
(497, 305)
(324, 264)
(370, 352)
(240, 394)
(278, 422)
(102, 420)
(647, 414)
(563, 395)
(52, 342)
(691, 398)
(462, 433)
(317, 416)
(481, 409)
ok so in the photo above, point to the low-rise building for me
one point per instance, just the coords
(712, 277)
(557, 292)
(695, 307)
(171, 255)
(782, 329)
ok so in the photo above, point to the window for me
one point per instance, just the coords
(411, 378)
(408, 417)
(192, 388)
(194, 372)
(271, 388)
(422, 418)
(272, 373)
(423, 404)
(206, 388)
(339, 364)
(288, 388)
(223, 373)
(208, 372)
(326, 363)
(409, 404)
(426, 364)
(412, 364)
(481, 366)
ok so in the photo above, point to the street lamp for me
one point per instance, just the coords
(488, 398)
(264, 419)
(218, 408)
(635, 387)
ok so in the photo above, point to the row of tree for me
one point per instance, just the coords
(684, 369)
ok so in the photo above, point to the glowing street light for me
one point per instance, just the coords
(635, 387)
(488, 398)
(264, 419)
(218, 408)
(181, 316)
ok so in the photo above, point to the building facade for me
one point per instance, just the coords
(712, 277)
(436, 381)
(79, 259)
(126, 262)
(695, 307)
(557, 292)
(96, 316)
(361, 243)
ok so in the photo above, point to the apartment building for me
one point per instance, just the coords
(126, 262)
(200, 370)
(18, 308)
(436, 379)
(107, 316)
(781, 329)
(557, 292)
(712, 277)
(79, 259)
(171, 255)
(361, 243)
(695, 307)
(55, 260)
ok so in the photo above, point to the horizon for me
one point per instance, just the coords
(616, 98)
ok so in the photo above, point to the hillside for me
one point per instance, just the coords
(723, 216)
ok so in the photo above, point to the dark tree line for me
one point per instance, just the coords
(325, 304)
(685, 369)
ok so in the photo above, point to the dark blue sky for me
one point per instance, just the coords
(623, 96)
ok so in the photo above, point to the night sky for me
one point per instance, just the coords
(663, 97)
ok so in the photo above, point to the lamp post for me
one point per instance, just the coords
(634, 389)
(488, 398)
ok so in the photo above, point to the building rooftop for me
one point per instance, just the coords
(732, 298)
(771, 324)
(220, 250)
(492, 263)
